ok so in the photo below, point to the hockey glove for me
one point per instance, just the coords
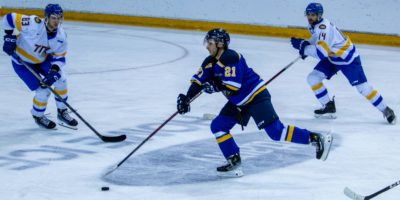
(52, 76)
(183, 104)
(10, 44)
(300, 44)
(210, 88)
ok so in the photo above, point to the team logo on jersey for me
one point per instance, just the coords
(25, 22)
(322, 26)
(38, 20)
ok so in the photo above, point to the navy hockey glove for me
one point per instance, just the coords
(183, 104)
(210, 88)
(52, 76)
(300, 44)
(10, 44)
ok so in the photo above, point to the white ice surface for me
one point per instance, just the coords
(126, 80)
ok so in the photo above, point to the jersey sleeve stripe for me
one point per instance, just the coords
(348, 57)
(220, 64)
(208, 66)
(255, 94)
(10, 20)
(325, 47)
(60, 55)
(194, 80)
(28, 56)
(344, 48)
(18, 22)
(232, 87)
(234, 84)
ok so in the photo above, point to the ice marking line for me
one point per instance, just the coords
(185, 53)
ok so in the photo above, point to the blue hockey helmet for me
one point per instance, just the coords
(218, 35)
(314, 8)
(53, 9)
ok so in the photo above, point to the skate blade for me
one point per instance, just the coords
(231, 174)
(67, 126)
(325, 116)
(50, 129)
(328, 139)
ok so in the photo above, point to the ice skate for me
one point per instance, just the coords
(66, 120)
(322, 144)
(44, 122)
(389, 115)
(327, 112)
(232, 169)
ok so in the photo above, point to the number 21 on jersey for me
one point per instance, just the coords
(230, 71)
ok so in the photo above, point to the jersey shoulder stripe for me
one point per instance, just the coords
(229, 58)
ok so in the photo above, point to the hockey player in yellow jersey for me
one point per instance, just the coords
(336, 53)
(42, 44)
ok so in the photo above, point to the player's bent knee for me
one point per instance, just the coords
(222, 123)
(315, 77)
(274, 130)
(42, 93)
(61, 83)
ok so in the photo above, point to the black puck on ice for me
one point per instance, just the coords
(105, 188)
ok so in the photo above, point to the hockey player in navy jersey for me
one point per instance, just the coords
(42, 44)
(336, 53)
(226, 71)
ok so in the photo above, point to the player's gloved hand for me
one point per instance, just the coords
(300, 44)
(183, 104)
(10, 44)
(52, 76)
(210, 88)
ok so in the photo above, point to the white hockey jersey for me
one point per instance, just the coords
(328, 41)
(33, 43)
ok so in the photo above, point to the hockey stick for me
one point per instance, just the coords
(173, 115)
(118, 138)
(282, 70)
(148, 137)
(351, 194)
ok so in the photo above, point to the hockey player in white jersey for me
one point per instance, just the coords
(42, 44)
(336, 53)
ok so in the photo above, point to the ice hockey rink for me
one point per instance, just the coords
(125, 80)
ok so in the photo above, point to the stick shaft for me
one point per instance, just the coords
(104, 138)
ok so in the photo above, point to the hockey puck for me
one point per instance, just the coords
(105, 188)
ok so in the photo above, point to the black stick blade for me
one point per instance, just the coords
(119, 138)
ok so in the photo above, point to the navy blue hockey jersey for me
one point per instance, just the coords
(235, 75)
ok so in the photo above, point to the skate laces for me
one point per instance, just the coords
(65, 115)
(44, 120)
(316, 142)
